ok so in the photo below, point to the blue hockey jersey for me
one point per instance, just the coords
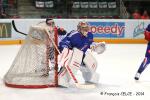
(78, 40)
(147, 54)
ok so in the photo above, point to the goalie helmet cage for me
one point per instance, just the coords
(35, 65)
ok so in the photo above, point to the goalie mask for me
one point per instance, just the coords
(50, 22)
(83, 27)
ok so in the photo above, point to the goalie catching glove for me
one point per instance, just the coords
(99, 48)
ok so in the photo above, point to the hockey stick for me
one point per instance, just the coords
(52, 41)
(14, 26)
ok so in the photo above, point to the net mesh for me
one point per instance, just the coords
(35, 63)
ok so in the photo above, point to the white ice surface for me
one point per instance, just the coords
(117, 67)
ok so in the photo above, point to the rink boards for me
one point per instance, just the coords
(108, 30)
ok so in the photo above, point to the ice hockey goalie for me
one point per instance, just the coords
(75, 57)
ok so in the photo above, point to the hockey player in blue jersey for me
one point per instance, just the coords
(146, 60)
(75, 56)
(81, 39)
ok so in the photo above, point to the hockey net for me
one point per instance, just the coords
(35, 65)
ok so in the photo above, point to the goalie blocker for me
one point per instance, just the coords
(70, 62)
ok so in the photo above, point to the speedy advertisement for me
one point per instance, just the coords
(107, 29)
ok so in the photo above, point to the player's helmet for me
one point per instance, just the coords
(83, 27)
(50, 22)
(147, 33)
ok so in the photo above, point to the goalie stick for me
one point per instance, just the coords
(83, 86)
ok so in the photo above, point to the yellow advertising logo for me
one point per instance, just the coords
(5, 30)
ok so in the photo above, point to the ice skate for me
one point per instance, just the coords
(137, 76)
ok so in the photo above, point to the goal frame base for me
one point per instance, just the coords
(30, 86)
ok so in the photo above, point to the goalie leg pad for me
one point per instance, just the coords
(76, 60)
(73, 64)
(66, 54)
(88, 71)
(71, 58)
(63, 77)
(91, 77)
(90, 62)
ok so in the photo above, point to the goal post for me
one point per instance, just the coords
(35, 65)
